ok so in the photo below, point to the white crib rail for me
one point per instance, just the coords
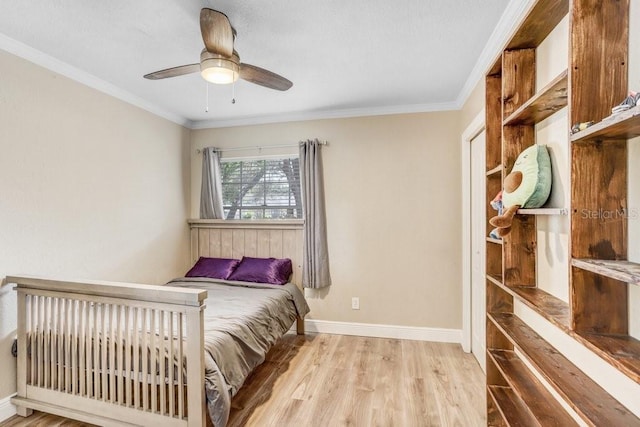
(110, 353)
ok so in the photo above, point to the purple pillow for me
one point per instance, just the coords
(275, 271)
(215, 268)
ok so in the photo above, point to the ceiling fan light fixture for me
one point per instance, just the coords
(219, 70)
(219, 61)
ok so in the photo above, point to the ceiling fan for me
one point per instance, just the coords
(219, 62)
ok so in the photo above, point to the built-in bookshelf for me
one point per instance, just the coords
(529, 382)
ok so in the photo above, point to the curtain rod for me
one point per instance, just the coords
(260, 147)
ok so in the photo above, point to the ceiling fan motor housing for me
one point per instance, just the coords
(216, 68)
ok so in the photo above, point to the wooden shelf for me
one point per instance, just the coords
(551, 308)
(495, 279)
(621, 351)
(590, 401)
(496, 241)
(547, 101)
(540, 21)
(543, 211)
(624, 125)
(513, 410)
(498, 169)
(625, 271)
(546, 410)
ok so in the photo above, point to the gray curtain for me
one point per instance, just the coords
(211, 190)
(315, 272)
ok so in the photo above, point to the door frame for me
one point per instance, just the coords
(476, 126)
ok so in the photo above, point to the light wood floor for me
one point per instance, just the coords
(333, 380)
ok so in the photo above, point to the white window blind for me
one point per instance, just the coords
(261, 189)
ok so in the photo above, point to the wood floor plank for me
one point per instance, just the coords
(333, 380)
(422, 401)
(387, 374)
(443, 388)
(462, 371)
(360, 402)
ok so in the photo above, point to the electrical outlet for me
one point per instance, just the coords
(355, 303)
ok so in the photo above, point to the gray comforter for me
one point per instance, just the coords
(241, 322)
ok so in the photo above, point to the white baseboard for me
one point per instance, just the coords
(383, 331)
(7, 410)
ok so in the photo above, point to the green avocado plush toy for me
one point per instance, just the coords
(527, 186)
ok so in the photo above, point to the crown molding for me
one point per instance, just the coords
(37, 57)
(509, 21)
(322, 115)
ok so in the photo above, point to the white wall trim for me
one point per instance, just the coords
(383, 331)
(7, 409)
(475, 127)
(23, 51)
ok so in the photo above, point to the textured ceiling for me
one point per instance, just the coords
(342, 56)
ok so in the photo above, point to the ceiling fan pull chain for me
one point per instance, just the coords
(206, 104)
(233, 92)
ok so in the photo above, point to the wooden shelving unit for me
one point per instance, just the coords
(597, 315)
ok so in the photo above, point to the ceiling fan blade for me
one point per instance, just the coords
(217, 32)
(173, 72)
(263, 77)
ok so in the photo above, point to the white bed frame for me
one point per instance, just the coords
(76, 338)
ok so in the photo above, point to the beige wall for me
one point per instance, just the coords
(90, 187)
(393, 212)
(472, 106)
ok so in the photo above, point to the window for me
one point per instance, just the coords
(261, 189)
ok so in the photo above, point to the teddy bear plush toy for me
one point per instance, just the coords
(528, 185)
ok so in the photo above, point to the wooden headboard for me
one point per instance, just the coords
(262, 239)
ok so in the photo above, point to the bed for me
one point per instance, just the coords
(128, 354)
